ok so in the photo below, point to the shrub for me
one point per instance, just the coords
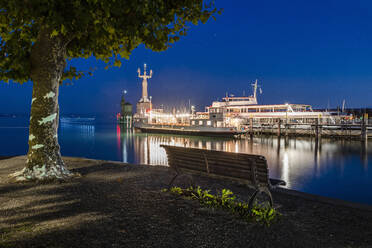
(226, 200)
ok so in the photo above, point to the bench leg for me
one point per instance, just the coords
(192, 181)
(253, 197)
(251, 200)
(171, 182)
(267, 191)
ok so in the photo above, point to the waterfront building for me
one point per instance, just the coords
(126, 112)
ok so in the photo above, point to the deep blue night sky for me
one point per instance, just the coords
(314, 52)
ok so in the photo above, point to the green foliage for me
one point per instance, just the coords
(227, 201)
(264, 215)
(106, 29)
(176, 190)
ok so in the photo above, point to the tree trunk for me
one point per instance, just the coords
(48, 60)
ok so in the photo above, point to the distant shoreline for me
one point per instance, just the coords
(6, 157)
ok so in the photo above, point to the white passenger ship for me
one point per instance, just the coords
(228, 117)
(242, 110)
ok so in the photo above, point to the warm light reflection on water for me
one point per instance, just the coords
(336, 168)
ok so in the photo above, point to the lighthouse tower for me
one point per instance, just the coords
(144, 104)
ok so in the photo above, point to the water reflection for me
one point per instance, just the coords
(85, 131)
(317, 166)
(336, 168)
(77, 138)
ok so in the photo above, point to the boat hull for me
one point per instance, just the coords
(211, 132)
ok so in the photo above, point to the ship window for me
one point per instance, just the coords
(200, 122)
(209, 123)
(193, 123)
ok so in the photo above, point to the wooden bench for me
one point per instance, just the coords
(252, 170)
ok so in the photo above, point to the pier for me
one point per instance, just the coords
(350, 131)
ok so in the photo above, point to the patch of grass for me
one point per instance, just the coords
(6, 234)
(226, 200)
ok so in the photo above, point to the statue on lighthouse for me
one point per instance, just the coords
(144, 77)
(144, 104)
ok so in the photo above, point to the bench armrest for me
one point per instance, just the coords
(277, 182)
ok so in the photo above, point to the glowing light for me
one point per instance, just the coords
(285, 171)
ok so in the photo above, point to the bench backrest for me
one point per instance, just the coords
(252, 169)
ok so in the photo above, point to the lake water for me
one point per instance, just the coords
(335, 168)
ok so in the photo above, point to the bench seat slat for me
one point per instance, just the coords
(215, 163)
(220, 170)
(190, 166)
(212, 167)
(227, 175)
(219, 153)
(177, 162)
(258, 159)
(228, 161)
(232, 164)
(201, 161)
(244, 181)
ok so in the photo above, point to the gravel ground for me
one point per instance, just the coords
(122, 205)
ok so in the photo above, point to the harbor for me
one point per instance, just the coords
(242, 117)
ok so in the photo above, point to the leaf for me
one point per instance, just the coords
(63, 29)
(111, 30)
(54, 33)
(117, 63)
(104, 29)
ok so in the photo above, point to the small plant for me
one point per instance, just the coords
(227, 198)
(227, 201)
(265, 215)
(176, 190)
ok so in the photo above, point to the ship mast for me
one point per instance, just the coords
(255, 90)
(343, 106)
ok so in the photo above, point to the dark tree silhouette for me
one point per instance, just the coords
(39, 36)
